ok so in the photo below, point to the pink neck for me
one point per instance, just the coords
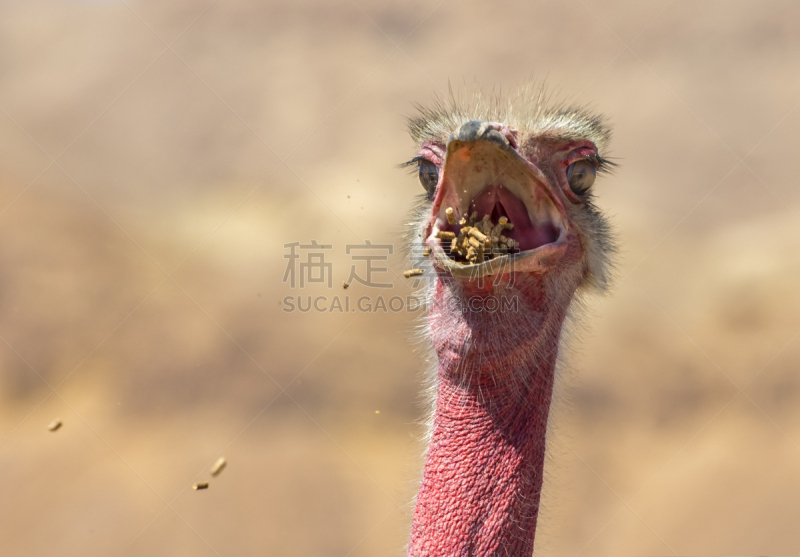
(483, 475)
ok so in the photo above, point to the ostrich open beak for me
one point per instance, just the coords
(484, 172)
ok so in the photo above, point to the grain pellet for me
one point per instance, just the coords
(451, 216)
(478, 235)
(200, 485)
(218, 466)
(54, 425)
(479, 240)
(413, 273)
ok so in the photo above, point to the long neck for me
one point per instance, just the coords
(483, 475)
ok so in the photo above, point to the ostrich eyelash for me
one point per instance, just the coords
(410, 166)
(604, 166)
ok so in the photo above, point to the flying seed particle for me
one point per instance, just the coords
(451, 217)
(54, 425)
(413, 273)
(218, 466)
(200, 485)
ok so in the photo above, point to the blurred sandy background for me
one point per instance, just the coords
(156, 156)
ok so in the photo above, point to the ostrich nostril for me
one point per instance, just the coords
(476, 130)
(471, 131)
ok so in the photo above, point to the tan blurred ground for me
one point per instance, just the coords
(144, 210)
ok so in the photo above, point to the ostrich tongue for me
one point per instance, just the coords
(477, 240)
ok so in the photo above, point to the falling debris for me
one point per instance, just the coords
(413, 273)
(377, 411)
(200, 485)
(218, 466)
(451, 216)
(345, 285)
(54, 425)
(426, 251)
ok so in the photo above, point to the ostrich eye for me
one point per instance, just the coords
(581, 175)
(428, 176)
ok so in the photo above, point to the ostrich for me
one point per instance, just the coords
(521, 174)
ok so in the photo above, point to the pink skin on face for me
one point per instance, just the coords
(482, 480)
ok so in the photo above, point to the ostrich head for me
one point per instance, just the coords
(498, 297)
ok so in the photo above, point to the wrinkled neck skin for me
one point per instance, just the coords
(483, 475)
